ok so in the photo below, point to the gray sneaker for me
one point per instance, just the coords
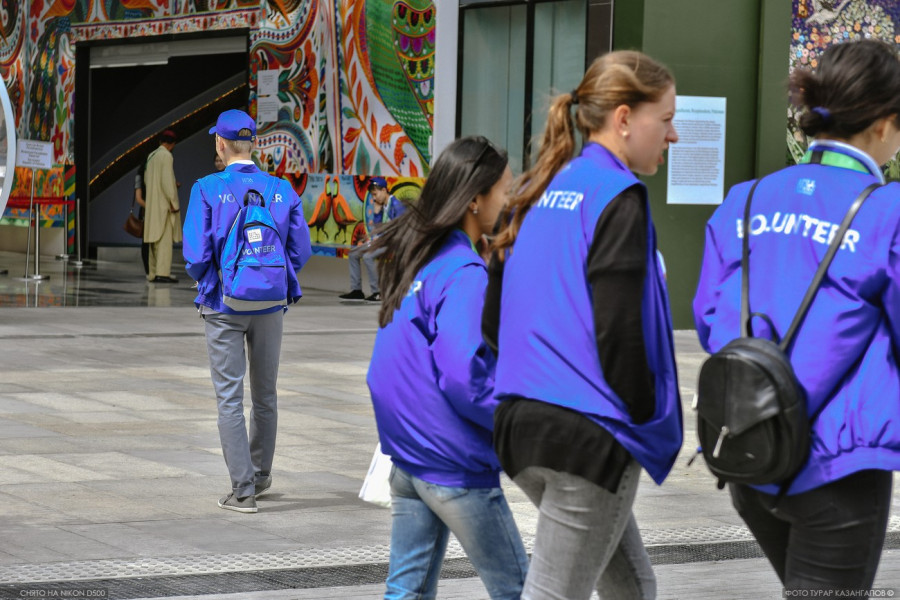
(244, 505)
(263, 485)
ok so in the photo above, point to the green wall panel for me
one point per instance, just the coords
(718, 52)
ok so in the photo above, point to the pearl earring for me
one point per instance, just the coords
(474, 211)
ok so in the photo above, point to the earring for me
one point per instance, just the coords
(474, 211)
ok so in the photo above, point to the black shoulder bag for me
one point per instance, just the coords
(752, 416)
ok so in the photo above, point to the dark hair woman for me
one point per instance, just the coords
(586, 366)
(828, 530)
(431, 379)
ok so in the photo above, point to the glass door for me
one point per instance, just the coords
(513, 59)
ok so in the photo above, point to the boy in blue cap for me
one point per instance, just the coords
(215, 202)
(384, 208)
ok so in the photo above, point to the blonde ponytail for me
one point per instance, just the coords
(625, 77)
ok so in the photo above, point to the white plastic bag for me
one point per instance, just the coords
(376, 487)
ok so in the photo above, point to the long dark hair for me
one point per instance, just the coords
(625, 77)
(467, 167)
(855, 84)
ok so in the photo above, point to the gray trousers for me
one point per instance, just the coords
(249, 460)
(362, 254)
(586, 538)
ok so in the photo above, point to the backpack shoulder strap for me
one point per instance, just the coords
(823, 266)
(269, 191)
(745, 265)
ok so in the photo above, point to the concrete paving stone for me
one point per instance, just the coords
(124, 466)
(61, 403)
(79, 502)
(16, 429)
(355, 415)
(131, 400)
(23, 512)
(225, 532)
(326, 391)
(48, 469)
(112, 418)
(200, 417)
(26, 543)
(13, 406)
(128, 540)
(10, 475)
(333, 422)
(194, 463)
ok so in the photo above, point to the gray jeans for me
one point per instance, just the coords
(362, 254)
(249, 460)
(586, 538)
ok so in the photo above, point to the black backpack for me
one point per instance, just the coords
(752, 416)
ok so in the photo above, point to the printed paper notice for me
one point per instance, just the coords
(34, 154)
(266, 109)
(697, 161)
(267, 82)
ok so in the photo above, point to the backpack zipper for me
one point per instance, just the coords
(721, 439)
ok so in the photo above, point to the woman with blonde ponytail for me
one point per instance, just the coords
(578, 313)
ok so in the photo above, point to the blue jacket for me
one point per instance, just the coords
(393, 208)
(547, 338)
(845, 351)
(432, 377)
(210, 214)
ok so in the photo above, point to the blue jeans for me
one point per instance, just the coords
(424, 514)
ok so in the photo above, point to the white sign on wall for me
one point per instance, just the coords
(267, 96)
(34, 154)
(697, 162)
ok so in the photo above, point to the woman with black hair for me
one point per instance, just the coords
(432, 380)
(828, 530)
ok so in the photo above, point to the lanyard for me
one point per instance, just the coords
(837, 154)
(468, 239)
(830, 158)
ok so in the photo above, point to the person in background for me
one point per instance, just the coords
(385, 208)
(431, 380)
(162, 223)
(140, 191)
(249, 457)
(578, 311)
(828, 530)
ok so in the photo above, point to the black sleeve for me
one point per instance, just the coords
(490, 315)
(617, 263)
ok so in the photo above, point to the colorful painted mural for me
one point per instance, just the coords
(355, 85)
(818, 24)
(336, 207)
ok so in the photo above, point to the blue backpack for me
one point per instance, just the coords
(254, 263)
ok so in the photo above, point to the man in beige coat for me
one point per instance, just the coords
(162, 220)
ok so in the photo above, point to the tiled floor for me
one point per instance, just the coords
(95, 283)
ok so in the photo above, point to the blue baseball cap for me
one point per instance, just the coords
(379, 181)
(231, 122)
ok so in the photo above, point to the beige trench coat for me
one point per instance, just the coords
(162, 195)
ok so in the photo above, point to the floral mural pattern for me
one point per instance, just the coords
(818, 24)
(354, 97)
(336, 207)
